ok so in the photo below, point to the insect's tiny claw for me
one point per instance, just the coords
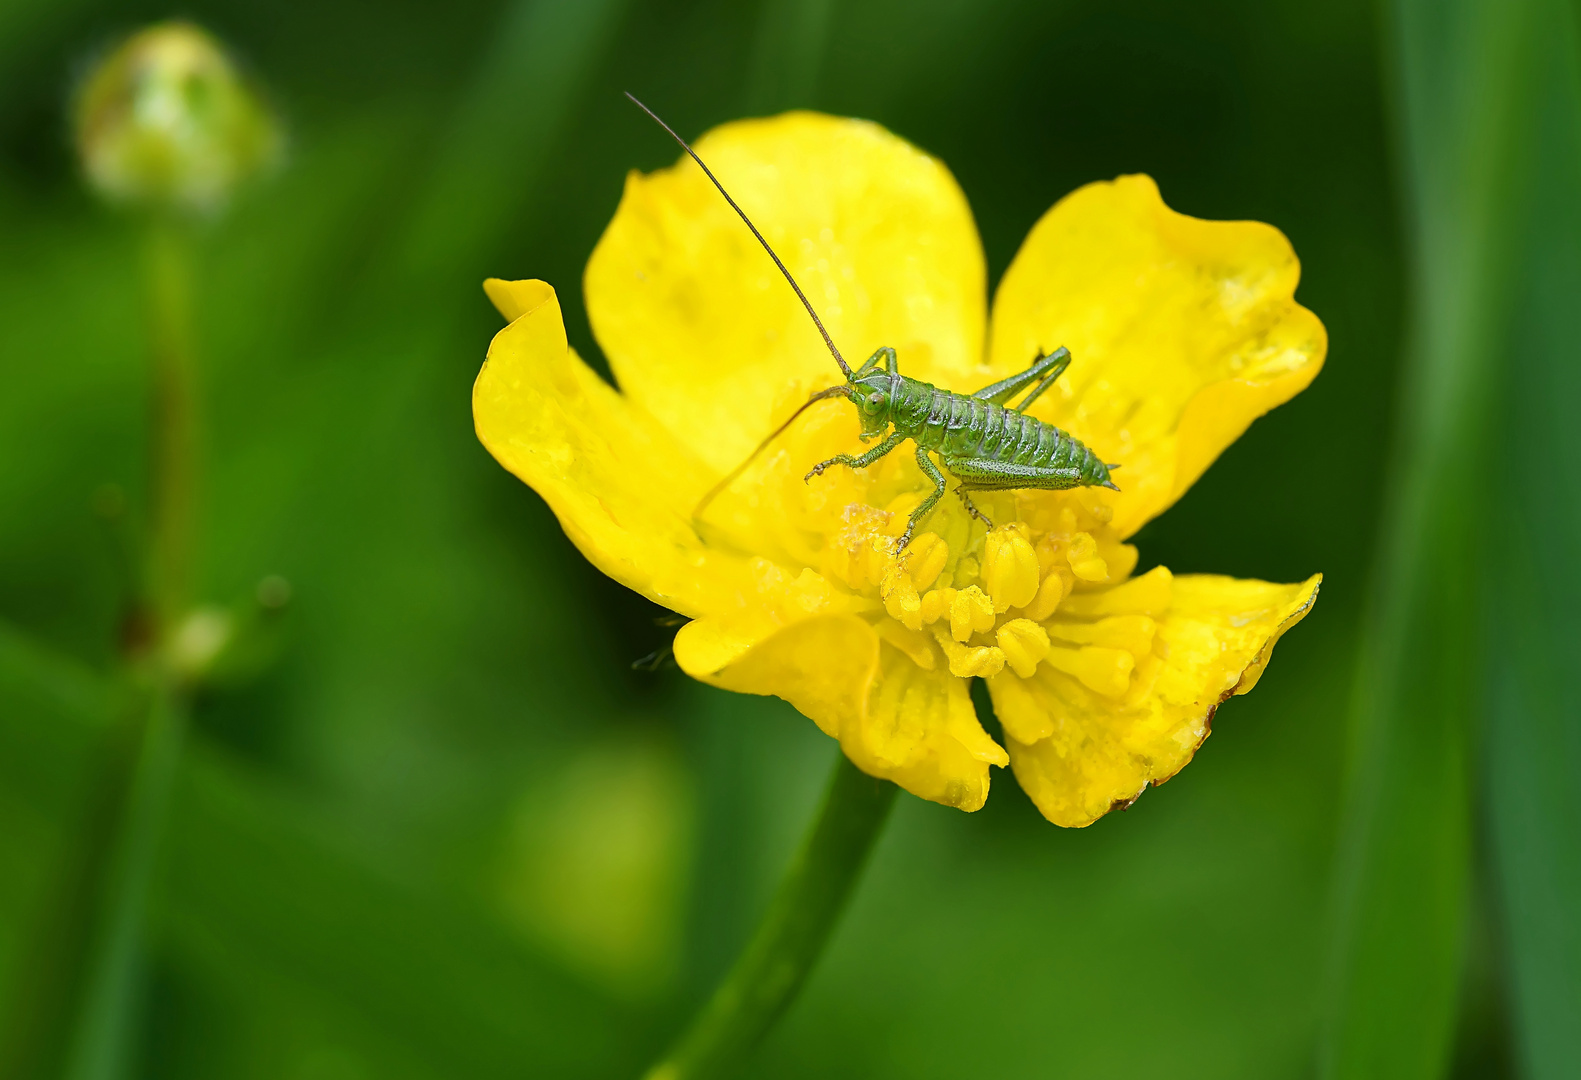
(971, 507)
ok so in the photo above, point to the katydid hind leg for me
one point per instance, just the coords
(971, 507)
(1005, 389)
(1048, 380)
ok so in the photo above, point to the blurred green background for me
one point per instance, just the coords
(451, 832)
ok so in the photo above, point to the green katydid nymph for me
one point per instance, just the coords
(984, 443)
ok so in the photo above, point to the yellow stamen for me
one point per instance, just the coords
(1084, 560)
(926, 559)
(1024, 643)
(1047, 600)
(936, 605)
(971, 612)
(1010, 569)
(900, 598)
(877, 558)
(967, 661)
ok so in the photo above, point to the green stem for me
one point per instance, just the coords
(100, 1043)
(174, 428)
(787, 943)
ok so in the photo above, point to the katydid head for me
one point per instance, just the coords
(872, 392)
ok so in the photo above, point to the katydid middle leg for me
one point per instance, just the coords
(931, 471)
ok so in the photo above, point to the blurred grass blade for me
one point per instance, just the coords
(792, 37)
(498, 143)
(1463, 71)
(1534, 724)
(55, 730)
(106, 1027)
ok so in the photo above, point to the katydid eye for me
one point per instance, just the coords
(875, 401)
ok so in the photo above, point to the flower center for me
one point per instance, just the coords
(1017, 595)
(1032, 592)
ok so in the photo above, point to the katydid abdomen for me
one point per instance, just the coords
(989, 447)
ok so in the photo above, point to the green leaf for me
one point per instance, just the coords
(1534, 720)
(1482, 96)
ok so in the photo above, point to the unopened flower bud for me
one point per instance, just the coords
(167, 121)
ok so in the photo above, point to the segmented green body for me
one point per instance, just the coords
(986, 445)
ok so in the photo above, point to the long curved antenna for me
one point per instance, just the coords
(713, 492)
(845, 368)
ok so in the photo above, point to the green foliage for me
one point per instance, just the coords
(1464, 725)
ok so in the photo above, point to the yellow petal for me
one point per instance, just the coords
(1079, 750)
(621, 487)
(894, 719)
(513, 299)
(698, 325)
(1181, 332)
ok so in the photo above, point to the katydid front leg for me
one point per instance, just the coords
(860, 461)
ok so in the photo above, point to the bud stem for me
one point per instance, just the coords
(174, 420)
(103, 1034)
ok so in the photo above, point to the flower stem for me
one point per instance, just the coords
(787, 942)
(174, 426)
(101, 1037)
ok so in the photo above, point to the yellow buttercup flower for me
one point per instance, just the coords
(1183, 332)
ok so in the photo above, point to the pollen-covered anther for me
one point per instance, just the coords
(857, 551)
(925, 559)
(1046, 602)
(877, 560)
(900, 598)
(1085, 562)
(971, 612)
(969, 661)
(1024, 643)
(937, 604)
(1010, 569)
(1103, 671)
